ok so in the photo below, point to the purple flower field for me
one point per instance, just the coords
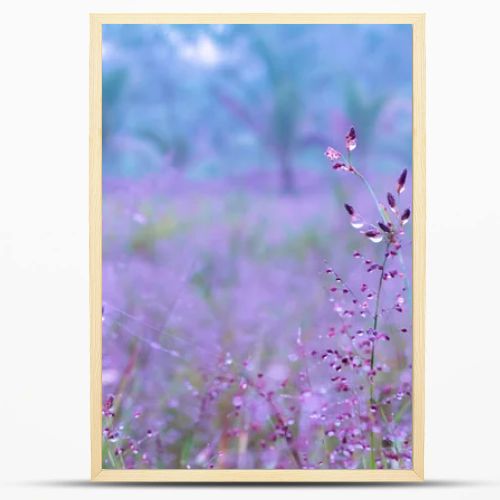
(256, 298)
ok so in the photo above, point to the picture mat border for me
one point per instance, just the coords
(95, 253)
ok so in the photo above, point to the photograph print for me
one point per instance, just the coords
(257, 246)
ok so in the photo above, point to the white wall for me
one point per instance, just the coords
(44, 428)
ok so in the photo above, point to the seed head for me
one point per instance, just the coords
(350, 139)
(405, 217)
(384, 228)
(349, 209)
(401, 182)
(391, 201)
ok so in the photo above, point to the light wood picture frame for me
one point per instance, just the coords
(98, 472)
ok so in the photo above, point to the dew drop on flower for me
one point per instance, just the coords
(356, 222)
(350, 139)
(391, 201)
(405, 217)
(374, 236)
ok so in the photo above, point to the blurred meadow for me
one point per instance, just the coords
(238, 299)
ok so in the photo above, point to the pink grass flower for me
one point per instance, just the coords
(350, 140)
(332, 154)
(400, 187)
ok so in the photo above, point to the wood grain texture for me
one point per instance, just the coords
(258, 475)
(419, 249)
(257, 18)
(418, 244)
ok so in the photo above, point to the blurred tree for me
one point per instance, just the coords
(220, 100)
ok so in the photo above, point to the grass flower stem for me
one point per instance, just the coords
(372, 194)
(380, 211)
(372, 357)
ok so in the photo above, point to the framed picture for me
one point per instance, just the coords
(257, 247)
